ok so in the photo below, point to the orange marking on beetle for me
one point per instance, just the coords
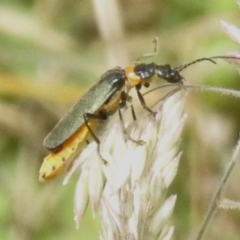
(132, 78)
(54, 163)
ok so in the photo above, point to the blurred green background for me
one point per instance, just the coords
(51, 51)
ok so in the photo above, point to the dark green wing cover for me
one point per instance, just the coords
(90, 102)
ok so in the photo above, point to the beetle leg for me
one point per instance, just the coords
(101, 118)
(142, 101)
(125, 132)
(126, 98)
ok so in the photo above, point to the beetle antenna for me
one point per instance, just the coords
(182, 67)
(149, 55)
